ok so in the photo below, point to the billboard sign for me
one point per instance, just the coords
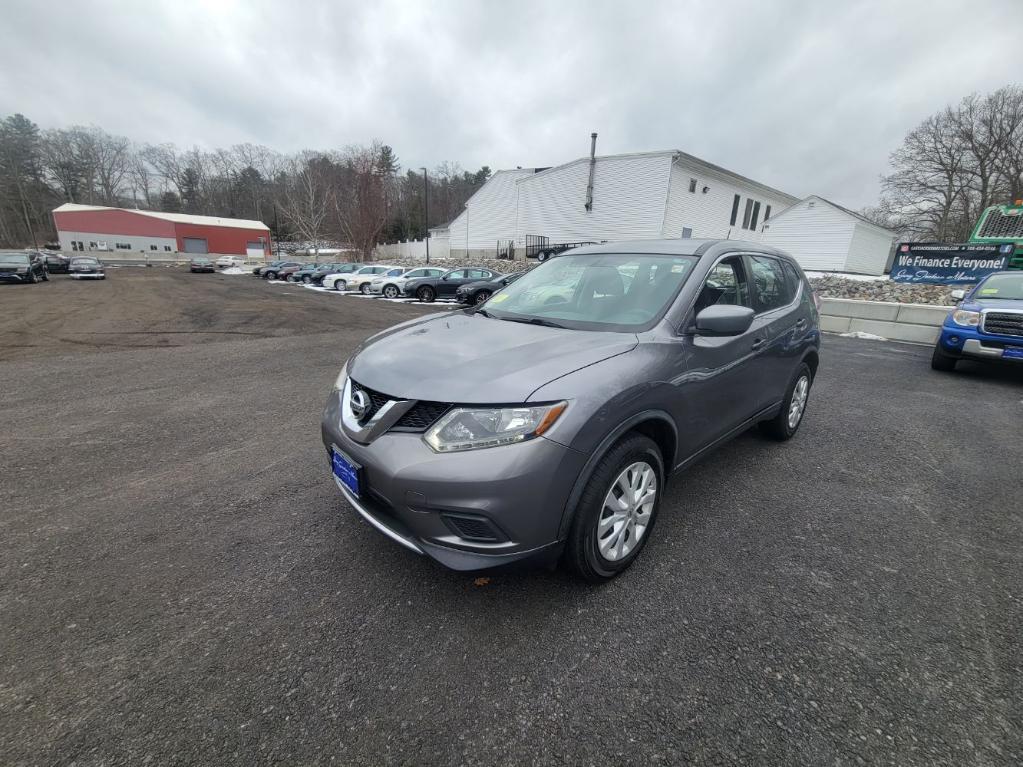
(938, 263)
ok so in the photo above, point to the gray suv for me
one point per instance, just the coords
(544, 423)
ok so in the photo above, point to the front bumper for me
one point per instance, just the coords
(970, 343)
(421, 499)
(13, 277)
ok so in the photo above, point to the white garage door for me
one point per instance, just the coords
(196, 245)
(254, 249)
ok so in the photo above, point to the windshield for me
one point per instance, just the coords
(19, 259)
(395, 272)
(1003, 286)
(606, 291)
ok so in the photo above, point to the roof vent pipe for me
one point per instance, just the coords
(593, 166)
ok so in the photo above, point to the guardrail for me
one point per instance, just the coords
(917, 323)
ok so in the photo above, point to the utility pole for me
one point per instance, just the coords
(426, 211)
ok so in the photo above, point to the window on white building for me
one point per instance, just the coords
(735, 209)
(767, 214)
(756, 215)
(747, 214)
(692, 186)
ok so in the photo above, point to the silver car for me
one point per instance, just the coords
(391, 285)
(543, 425)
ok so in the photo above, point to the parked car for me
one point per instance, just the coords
(56, 263)
(429, 289)
(271, 271)
(353, 280)
(225, 262)
(201, 264)
(987, 323)
(305, 274)
(480, 292)
(19, 266)
(288, 272)
(390, 286)
(340, 271)
(86, 268)
(525, 430)
(258, 270)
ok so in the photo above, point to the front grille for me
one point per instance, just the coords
(998, 224)
(1003, 323)
(422, 416)
(419, 417)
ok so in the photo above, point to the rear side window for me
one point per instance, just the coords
(792, 277)
(771, 288)
(479, 274)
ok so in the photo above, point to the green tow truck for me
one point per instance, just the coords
(999, 224)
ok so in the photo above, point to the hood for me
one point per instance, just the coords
(993, 304)
(471, 359)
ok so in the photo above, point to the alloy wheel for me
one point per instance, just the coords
(798, 402)
(627, 511)
(482, 296)
(390, 291)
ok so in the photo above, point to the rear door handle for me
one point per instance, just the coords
(758, 342)
(801, 324)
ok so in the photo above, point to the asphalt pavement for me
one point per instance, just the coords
(180, 582)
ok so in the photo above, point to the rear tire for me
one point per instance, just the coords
(785, 425)
(591, 531)
(426, 294)
(946, 363)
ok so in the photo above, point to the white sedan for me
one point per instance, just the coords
(227, 261)
(389, 285)
(357, 279)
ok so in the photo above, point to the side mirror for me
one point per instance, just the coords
(724, 320)
(958, 295)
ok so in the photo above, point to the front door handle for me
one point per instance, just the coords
(801, 324)
(758, 342)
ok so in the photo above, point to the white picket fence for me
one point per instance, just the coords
(413, 250)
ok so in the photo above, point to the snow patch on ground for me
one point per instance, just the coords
(235, 270)
(861, 334)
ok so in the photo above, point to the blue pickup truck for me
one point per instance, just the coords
(987, 323)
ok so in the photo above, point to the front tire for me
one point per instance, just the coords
(390, 291)
(364, 288)
(426, 294)
(482, 297)
(617, 510)
(785, 425)
(341, 285)
(941, 361)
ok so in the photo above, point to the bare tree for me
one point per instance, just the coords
(309, 197)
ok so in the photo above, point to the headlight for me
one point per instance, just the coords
(965, 318)
(339, 382)
(472, 428)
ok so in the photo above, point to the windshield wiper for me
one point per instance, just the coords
(484, 312)
(535, 321)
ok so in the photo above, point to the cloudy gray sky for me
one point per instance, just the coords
(808, 96)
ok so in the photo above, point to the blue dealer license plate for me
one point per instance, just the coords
(1013, 352)
(345, 469)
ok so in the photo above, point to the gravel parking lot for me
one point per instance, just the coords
(181, 583)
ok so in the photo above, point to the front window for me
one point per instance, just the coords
(1005, 286)
(367, 270)
(606, 291)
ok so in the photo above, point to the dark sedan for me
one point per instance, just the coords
(86, 268)
(19, 266)
(201, 264)
(272, 270)
(429, 289)
(288, 272)
(479, 292)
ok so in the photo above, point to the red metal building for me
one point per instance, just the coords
(131, 233)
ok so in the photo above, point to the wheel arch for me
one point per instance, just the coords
(812, 359)
(655, 424)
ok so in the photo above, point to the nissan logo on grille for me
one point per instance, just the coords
(359, 403)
